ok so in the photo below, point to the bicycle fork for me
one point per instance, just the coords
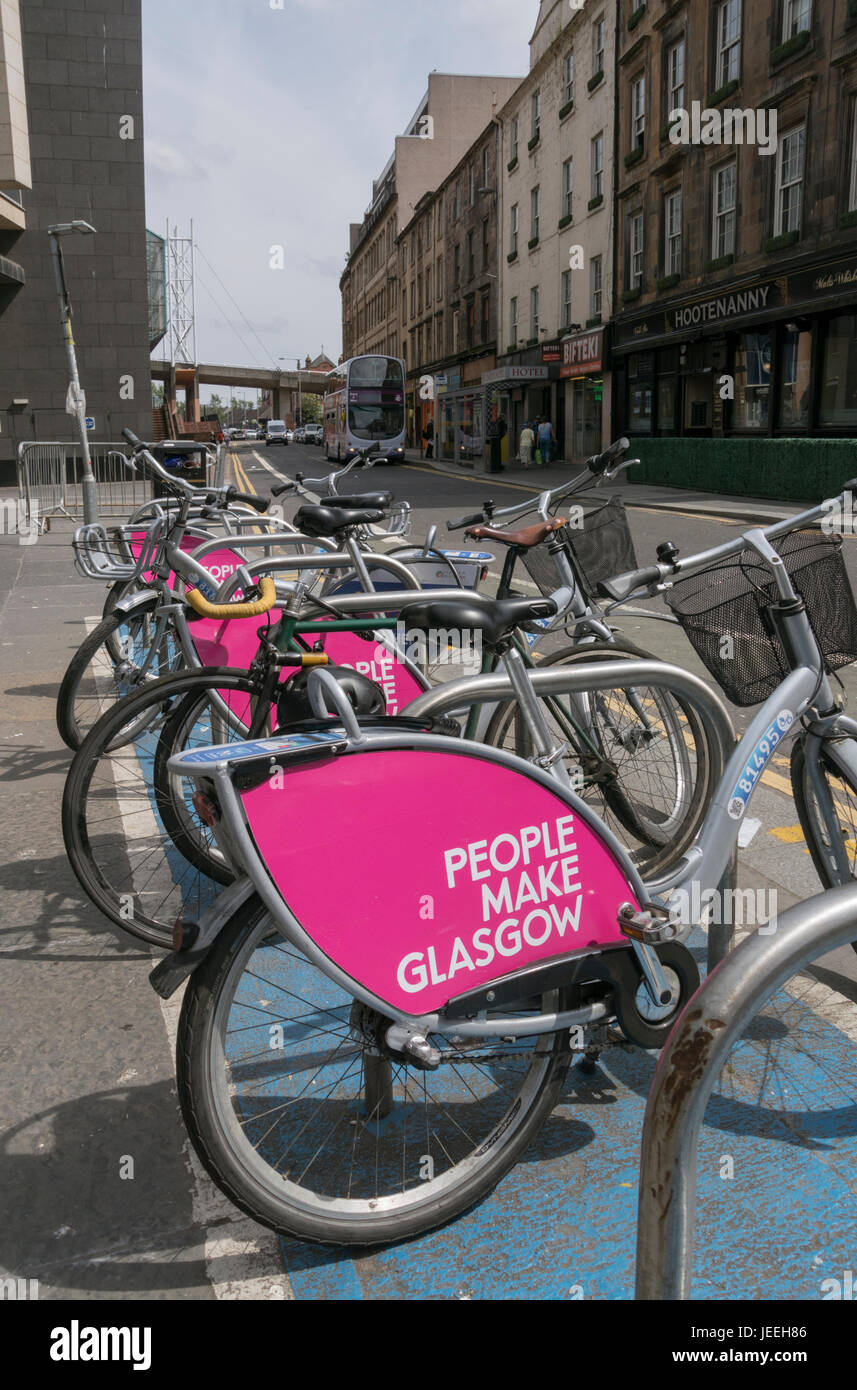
(550, 757)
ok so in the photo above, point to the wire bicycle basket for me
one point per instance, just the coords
(602, 546)
(723, 612)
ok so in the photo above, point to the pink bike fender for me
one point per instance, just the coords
(425, 874)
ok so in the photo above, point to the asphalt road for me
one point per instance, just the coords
(774, 859)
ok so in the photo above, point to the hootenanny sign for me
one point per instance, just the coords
(724, 306)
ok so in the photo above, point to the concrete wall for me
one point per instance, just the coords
(83, 68)
(14, 133)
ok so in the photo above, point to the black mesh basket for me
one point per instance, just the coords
(602, 546)
(729, 601)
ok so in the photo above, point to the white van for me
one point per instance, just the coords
(275, 433)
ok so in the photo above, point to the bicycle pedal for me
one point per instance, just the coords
(652, 925)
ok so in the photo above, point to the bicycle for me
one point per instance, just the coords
(322, 1000)
(641, 757)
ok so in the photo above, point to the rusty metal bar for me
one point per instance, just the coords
(699, 1045)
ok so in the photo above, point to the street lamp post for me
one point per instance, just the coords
(77, 398)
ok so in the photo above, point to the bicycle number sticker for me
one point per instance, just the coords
(757, 762)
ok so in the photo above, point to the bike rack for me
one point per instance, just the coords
(697, 1048)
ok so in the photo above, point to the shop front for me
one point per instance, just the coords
(527, 388)
(587, 407)
(768, 356)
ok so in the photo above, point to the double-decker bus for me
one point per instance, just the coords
(367, 408)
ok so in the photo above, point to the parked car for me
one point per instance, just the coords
(290, 434)
(299, 434)
(261, 433)
(313, 434)
(275, 433)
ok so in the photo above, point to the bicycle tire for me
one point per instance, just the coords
(119, 852)
(810, 821)
(650, 858)
(102, 666)
(227, 1152)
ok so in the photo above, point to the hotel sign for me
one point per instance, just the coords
(515, 374)
(583, 353)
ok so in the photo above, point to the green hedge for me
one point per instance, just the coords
(785, 470)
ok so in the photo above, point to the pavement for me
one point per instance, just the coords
(755, 510)
(89, 1083)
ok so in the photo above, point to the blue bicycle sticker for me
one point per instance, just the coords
(757, 762)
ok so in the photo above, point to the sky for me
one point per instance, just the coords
(266, 127)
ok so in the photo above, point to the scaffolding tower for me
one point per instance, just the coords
(181, 298)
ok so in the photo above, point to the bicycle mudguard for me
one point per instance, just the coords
(501, 867)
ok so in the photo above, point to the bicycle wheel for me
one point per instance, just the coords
(307, 1124)
(110, 664)
(843, 793)
(112, 820)
(641, 757)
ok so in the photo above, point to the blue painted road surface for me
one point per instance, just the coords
(777, 1202)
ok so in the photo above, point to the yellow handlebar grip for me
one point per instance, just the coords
(266, 600)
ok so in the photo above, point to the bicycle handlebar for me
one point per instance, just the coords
(599, 463)
(457, 523)
(624, 586)
(224, 611)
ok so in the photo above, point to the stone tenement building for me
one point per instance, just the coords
(736, 225)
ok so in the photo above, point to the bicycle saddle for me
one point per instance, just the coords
(359, 499)
(327, 521)
(494, 618)
(524, 540)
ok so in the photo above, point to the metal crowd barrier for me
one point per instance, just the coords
(50, 481)
(690, 1064)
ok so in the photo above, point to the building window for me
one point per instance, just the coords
(536, 114)
(438, 277)
(439, 218)
(566, 299)
(598, 33)
(428, 231)
(456, 330)
(567, 187)
(796, 17)
(513, 321)
(535, 205)
(672, 233)
(457, 199)
(413, 242)
(596, 283)
(789, 190)
(852, 184)
(471, 260)
(471, 323)
(428, 286)
(839, 374)
(513, 231)
(675, 77)
(794, 380)
(515, 134)
(472, 185)
(413, 298)
(598, 166)
(728, 20)
(534, 313)
(568, 79)
(483, 328)
(636, 250)
(485, 243)
(752, 382)
(638, 113)
(723, 220)
(486, 168)
(456, 266)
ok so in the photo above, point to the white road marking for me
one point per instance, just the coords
(747, 832)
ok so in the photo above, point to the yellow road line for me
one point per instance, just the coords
(517, 487)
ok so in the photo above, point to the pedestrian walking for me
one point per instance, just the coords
(546, 440)
(428, 439)
(525, 445)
